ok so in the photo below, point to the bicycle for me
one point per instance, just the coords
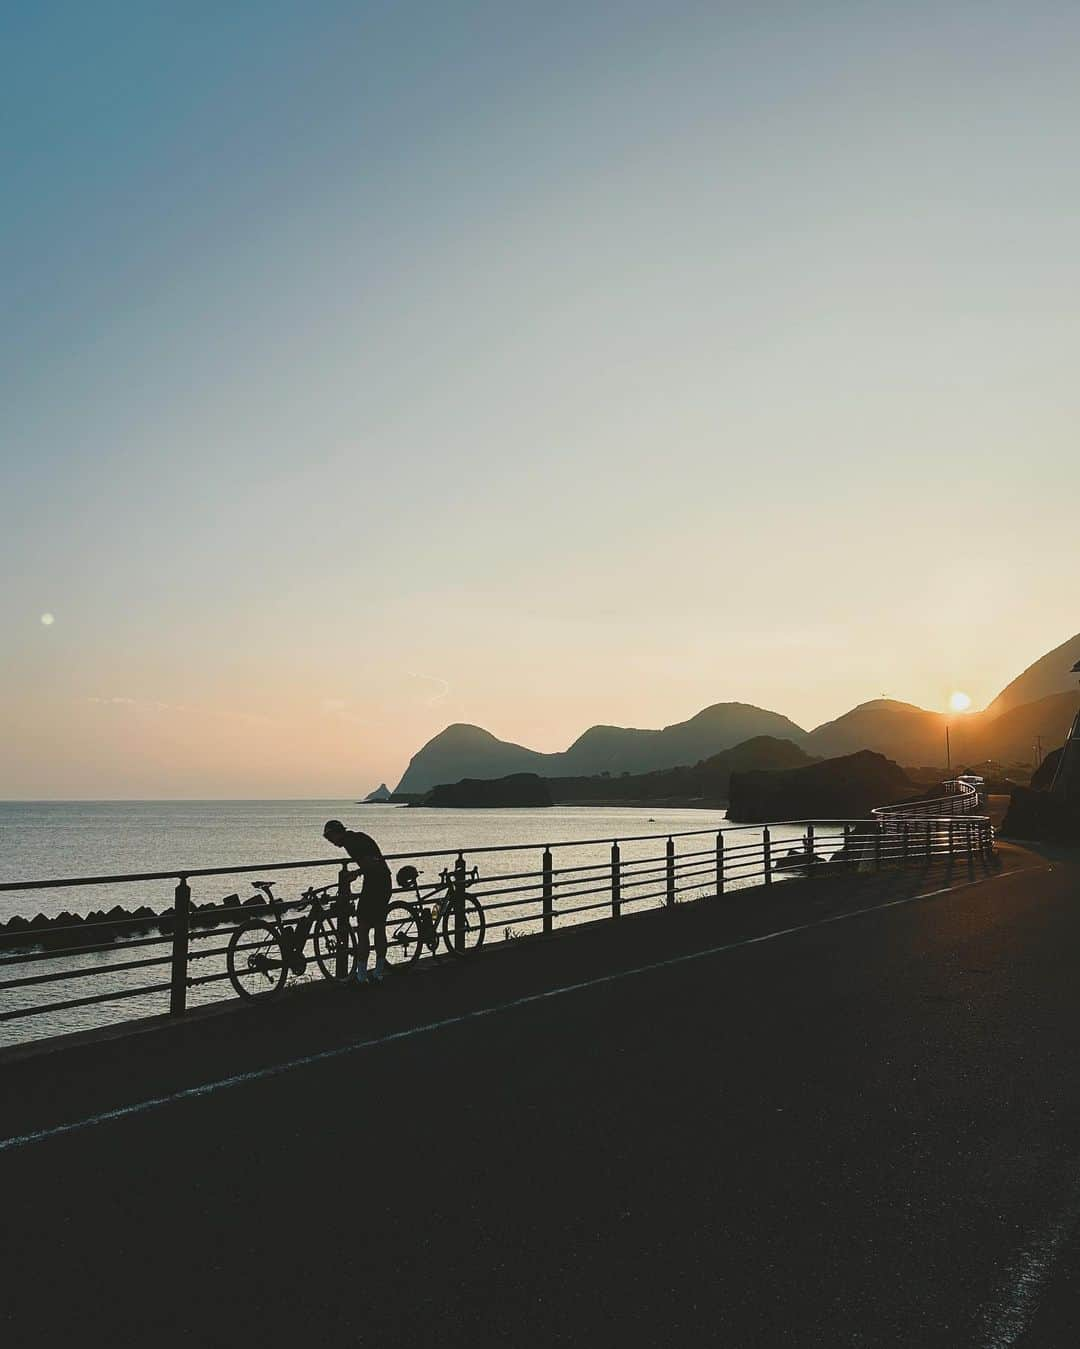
(412, 925)
(262, 952)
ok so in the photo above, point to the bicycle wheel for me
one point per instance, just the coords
(402, 936)
(475, 924)
(256, 961)
(326, 948)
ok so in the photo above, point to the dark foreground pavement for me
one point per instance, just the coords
(861, 1132)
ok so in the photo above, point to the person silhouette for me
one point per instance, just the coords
(373, 898)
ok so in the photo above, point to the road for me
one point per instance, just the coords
(842, 1114)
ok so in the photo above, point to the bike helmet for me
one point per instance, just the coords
(406, 878)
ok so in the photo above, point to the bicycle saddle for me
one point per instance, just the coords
(263, 885)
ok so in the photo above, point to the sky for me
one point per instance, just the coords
(370, 367)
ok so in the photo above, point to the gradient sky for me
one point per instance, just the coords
(367, 367)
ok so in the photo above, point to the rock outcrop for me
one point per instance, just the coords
(1041, 815)
(840, 788)
(517, 789)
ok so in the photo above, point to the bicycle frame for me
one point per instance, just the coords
(432, 906)
(296, 931)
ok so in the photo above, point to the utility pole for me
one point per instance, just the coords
(1038, 752)
(948, 751)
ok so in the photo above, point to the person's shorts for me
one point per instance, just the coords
(371, 902)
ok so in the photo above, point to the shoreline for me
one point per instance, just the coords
(607, 803)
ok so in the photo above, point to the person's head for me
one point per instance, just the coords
(334, 832)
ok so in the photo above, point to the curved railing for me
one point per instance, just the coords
(960, 798)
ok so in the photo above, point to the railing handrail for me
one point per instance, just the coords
(185, 873)
(194, 932)
(953, 788)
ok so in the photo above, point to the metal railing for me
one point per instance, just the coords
(960, 798)
(180, 952)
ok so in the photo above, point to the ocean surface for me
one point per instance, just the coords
(47, 840)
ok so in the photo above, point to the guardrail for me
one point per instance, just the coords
(183, 947)
(960, 798)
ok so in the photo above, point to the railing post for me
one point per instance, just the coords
(878, 826)
(616, 881)
(719, 862)
(342, 908)
(766, 853)
(548, 892)
(904, 841)
(181, 930)
(459, 904)
(670, 872)
(970, 844)
(950, 838)
(809, 850)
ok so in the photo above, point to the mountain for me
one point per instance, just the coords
(913, 736)
(1009, 738)
(900, 731)
(1040, 702)
(1049, 675)
(463, 751)
(615, 750)
(380, 794)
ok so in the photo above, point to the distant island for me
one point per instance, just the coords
(378, 796)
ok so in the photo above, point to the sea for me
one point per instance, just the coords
(58, 840)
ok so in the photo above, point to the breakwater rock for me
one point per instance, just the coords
(65, 931)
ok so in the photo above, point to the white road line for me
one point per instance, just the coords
(1010, 1313)
(276, 1070)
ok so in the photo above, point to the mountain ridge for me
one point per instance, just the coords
(901, 731)
(1043, 678)
(462, 750)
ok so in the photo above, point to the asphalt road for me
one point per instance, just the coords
(860, 1131)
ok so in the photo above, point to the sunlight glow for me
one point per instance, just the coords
(959, 702)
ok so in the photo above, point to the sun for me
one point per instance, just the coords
(959, 701)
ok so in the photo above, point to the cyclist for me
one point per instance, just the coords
(373, 898)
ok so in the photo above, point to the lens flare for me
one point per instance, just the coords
(959, 702)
